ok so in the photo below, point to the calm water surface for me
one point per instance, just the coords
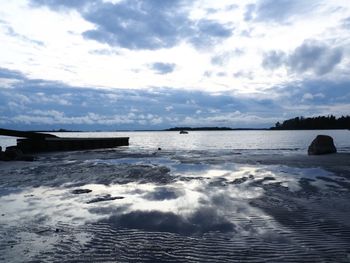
(243, 141)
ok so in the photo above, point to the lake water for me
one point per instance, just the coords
(241, 141)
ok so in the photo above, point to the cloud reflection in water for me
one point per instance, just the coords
(224, 188)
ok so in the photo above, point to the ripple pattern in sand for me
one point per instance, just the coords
(286, 238)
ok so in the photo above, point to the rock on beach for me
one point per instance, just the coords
(322, 144)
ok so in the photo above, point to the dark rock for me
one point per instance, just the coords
(1, 154)
(12, 153)
(81, 191)
(322, 144)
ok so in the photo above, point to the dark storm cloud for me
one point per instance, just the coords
(313, 56)
(151, 24)
(163, 68)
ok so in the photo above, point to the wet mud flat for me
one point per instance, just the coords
(122, 206)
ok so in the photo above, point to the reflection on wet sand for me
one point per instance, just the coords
(160, 209)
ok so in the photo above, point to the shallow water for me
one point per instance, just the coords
(171, 206)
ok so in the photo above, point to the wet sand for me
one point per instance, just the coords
(165, 206)
(334, 162)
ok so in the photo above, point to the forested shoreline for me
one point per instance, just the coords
(314, 123)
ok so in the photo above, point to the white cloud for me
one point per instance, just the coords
(169, 108)
(157, 120)
(309, 96)
(235, 119)
(6, 83)
(53, 117)
(42, 98)
(219, 50)
(66, 48)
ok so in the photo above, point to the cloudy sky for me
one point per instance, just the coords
(152, 64)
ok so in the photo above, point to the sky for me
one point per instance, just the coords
(155, 64)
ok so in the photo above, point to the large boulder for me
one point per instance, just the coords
(322, 144)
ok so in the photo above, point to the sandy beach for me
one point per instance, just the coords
(175, 206)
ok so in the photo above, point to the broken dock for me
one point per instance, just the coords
(32, 142)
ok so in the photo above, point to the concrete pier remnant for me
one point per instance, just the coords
(32, 142)
(69, 144)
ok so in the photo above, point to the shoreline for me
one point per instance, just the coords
(290, 158)
(334, 162)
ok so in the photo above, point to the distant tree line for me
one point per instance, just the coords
(314, 123)
(211, 129)
(199, 129)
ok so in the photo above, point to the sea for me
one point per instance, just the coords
(248, 141)
(205, 196)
